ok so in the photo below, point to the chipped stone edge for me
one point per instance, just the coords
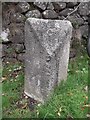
(34, 97)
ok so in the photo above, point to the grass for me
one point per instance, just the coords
(67, 100)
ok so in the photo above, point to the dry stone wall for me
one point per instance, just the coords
(15, 14)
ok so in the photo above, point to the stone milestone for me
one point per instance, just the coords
(47, 52)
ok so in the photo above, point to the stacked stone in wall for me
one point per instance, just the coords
(15, 14)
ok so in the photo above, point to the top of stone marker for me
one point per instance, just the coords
(49, 32)
(48, 20)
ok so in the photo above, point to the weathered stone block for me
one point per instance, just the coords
(33, 13)
(47, 52)
(84, 9)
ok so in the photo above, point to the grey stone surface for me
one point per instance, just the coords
(84, 31)
(21, 57)
(47, 52)
(71, 4)
(84, 8)
(17, 17)
(8, 51)
(41, 5)
(23, 7)
(9, 59)
(7, 12)
(17, 33)
(33, 13)
(19, 48)
(85, 18)
(4, 49)
(66, 11)
(50, 6)
(50, 14)
(72, 53)
(79, 33)
(4, 36)
(76, 20)
(61, 17)
(58, 6)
